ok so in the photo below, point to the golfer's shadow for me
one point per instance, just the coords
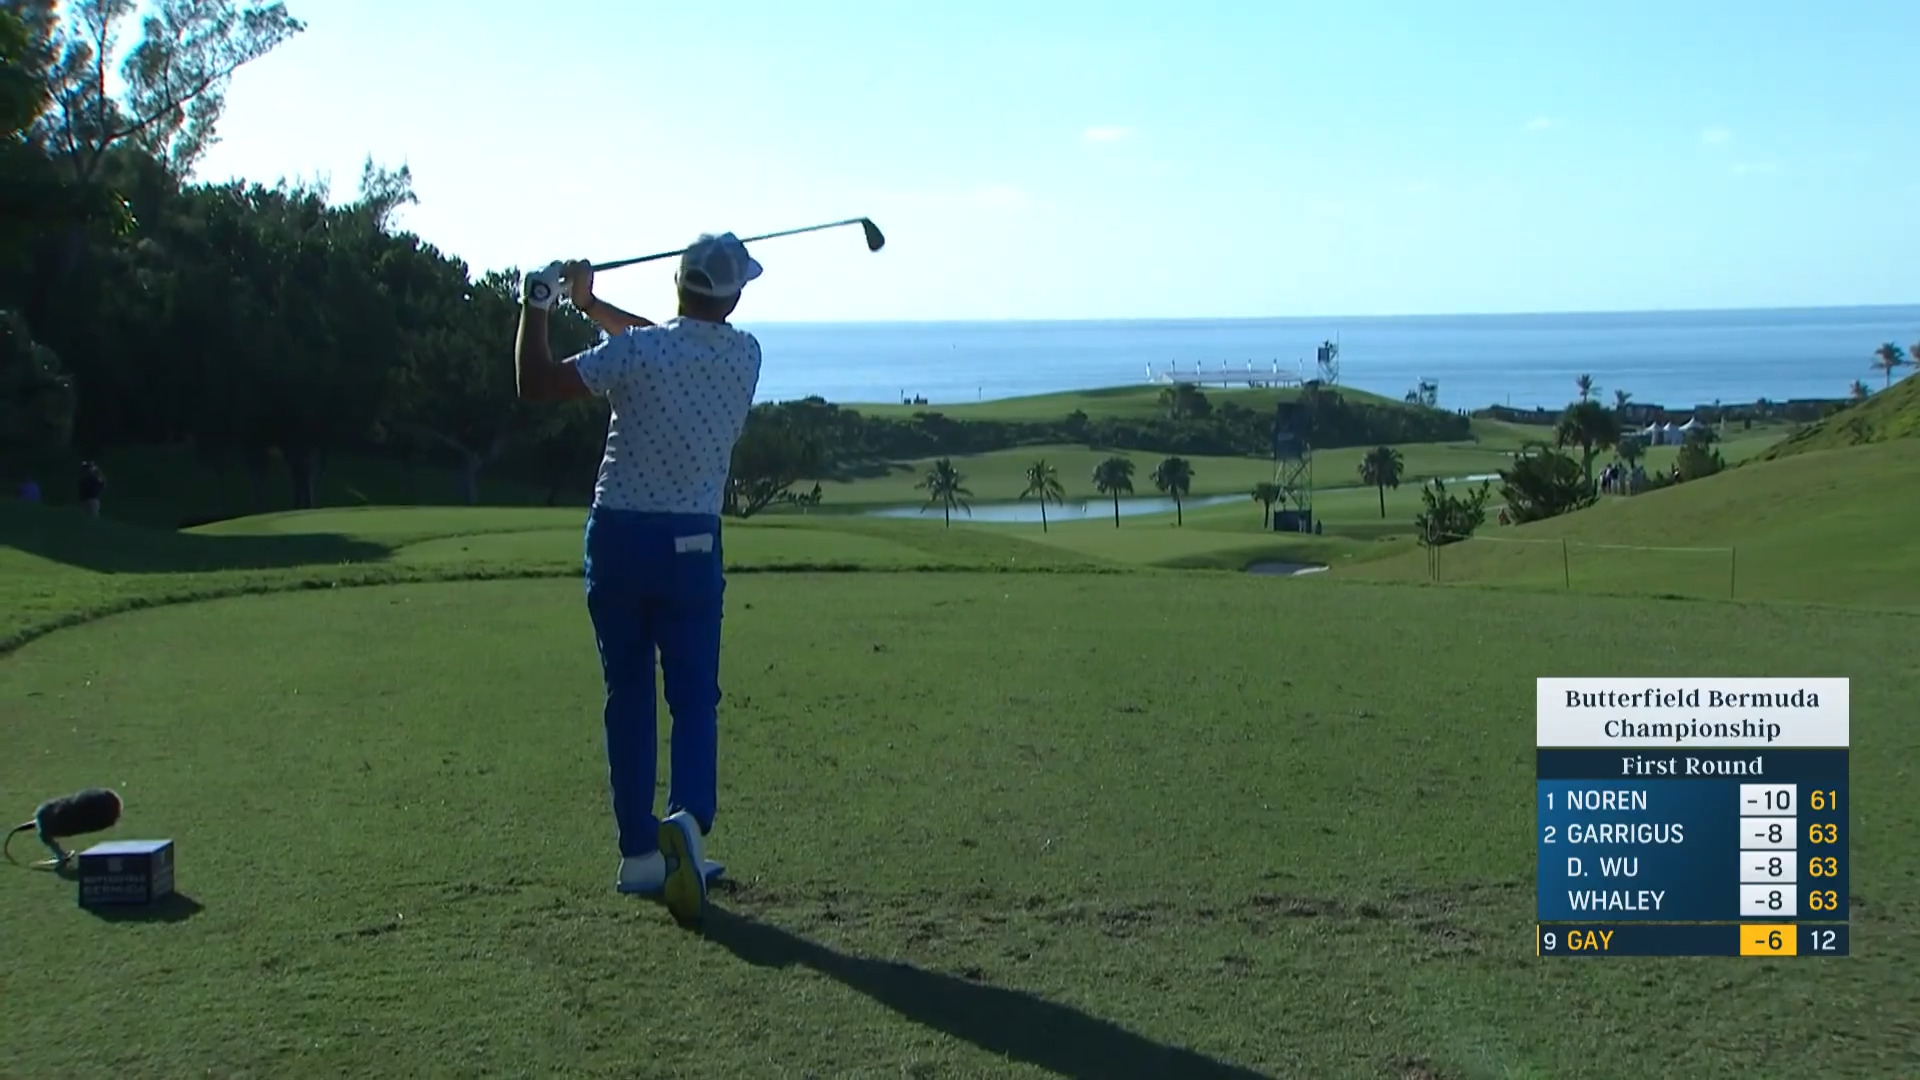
(1010, 1023)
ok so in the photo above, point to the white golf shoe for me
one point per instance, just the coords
(686, 869)
(644, 875)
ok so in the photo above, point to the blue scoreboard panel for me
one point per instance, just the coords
(1692, 817)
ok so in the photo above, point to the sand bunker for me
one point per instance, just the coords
(1285, 569)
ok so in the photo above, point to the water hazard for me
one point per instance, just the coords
(1072, 510)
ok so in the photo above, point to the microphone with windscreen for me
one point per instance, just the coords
(78, 814)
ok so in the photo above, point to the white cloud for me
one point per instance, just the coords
(1747, 168)
(1542, 123)
(1106, 133)
(1716, 136)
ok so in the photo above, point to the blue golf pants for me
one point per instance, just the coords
(654, 584)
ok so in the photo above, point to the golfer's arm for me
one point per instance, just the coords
(536, 374)
(610, 318)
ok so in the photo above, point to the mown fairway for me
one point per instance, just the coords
(1136, 823)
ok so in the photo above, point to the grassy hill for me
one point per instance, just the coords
(1829, 526)
(1892, 413)
(1139, 402)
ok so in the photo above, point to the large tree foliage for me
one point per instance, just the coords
(1543, 482)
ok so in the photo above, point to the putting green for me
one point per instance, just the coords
(1172, 826)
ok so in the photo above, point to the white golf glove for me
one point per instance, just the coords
(542, 288)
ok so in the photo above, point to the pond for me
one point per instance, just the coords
(1073, 510)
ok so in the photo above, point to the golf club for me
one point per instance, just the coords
(874, 242)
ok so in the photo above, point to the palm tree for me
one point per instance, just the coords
(1114, 477)
(1589, 427)
(1620, 399)
(1044, 481)
(943, 484)
(1886, 358)
(1859, 390)
(1266, 493)
(1174, 476)
(1632, 448)
(1587, 387)
(1382, 468)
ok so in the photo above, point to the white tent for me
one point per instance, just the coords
(1692, 424)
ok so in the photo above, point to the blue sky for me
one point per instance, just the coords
(1069, 160)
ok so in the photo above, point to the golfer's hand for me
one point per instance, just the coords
(540, 288)
(576, 279)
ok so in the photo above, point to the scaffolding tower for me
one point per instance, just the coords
(1293, 467)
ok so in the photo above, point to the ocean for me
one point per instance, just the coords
(1677, 359)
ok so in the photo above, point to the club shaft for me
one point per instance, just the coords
(597, 267)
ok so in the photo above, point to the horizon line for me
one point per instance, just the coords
(1750, 309)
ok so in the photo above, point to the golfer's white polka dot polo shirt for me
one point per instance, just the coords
(680, 393)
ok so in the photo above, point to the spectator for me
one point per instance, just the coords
(93, 484)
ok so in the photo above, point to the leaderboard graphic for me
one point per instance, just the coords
(1692, 817)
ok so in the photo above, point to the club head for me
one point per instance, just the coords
(874, 240)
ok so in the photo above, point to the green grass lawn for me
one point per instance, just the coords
(1293, 852)
(1831, 526)
(1140, 401)
(1005, 802)
(999, 476)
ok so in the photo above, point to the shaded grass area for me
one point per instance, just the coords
(978, 825)
(168, 487)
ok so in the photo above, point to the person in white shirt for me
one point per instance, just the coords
(680, 392)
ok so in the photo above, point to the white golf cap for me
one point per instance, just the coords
(716, 266)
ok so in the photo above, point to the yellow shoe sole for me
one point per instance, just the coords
(686, 887)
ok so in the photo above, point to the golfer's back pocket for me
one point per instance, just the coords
(700, 543)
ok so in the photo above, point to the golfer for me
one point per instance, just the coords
(680, 392)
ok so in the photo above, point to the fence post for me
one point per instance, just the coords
(1566, 571)
(1733, 570)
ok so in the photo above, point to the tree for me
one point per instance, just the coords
(1446, 518)
(171, 93)
(1382, 469)
(771, 455)
(1620, 399)
(1114, 477)
(1174, 475)
(944, 485)
(1632, 448)
(1043, 482)
(1266, 493)
(36, 399)
(174, 80)
(1859, 391)
(1544, 483)
(1185, 401)
(1590, 426)
(1697, 457)
(1587, 387)
(1886, 358)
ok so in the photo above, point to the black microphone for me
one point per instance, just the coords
(83, 812)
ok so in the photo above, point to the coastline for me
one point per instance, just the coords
(1683, 361)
